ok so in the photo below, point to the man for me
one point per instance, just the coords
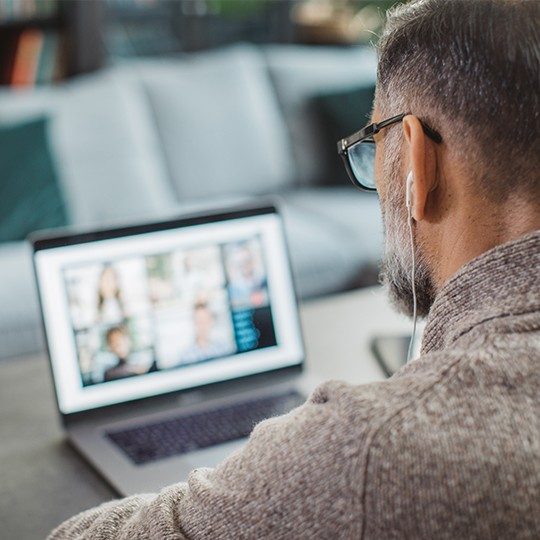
(450, 446)
(247, 281)
(119, 346)
(206, 344)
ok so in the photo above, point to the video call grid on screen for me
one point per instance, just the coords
(141, 315)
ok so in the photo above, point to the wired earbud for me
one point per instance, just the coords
(408, 192)
(408, 204)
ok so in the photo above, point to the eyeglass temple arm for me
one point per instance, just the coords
(431, 133)
(376, 127)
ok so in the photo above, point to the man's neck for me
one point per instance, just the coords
(476, 229)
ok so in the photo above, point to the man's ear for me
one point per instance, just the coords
(422, 162)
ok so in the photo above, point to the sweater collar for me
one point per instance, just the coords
(502, 281)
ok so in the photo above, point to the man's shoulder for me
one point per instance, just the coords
(381, 400)
(439, 392)
(468, 420)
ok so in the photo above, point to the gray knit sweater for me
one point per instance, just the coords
(447, 448)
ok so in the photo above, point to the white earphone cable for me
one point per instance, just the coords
(413, 282)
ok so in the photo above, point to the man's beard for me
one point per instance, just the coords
(396, 271)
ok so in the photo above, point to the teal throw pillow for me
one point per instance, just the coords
(30, 197)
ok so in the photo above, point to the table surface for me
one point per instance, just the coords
(44, 481)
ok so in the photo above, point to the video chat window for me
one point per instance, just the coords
(140, 314)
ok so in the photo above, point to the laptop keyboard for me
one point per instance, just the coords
(186, 433)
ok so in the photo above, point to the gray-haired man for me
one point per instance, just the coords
(450, 446)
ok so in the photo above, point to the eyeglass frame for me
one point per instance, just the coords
(368, 132)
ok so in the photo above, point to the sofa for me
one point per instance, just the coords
(150, 139)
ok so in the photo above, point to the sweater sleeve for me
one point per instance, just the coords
(291, 479)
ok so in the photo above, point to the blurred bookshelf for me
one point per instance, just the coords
(45, 41)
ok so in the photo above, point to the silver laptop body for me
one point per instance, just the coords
(145, 323)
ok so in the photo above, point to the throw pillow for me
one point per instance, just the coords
(30, 197)
(340, 114)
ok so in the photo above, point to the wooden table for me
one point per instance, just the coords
(43, 481)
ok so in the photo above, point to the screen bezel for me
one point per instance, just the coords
(48, 240)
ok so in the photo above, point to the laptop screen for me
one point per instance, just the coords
(142, 311)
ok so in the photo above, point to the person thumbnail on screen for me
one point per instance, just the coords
(110, 306)
(106, 293)
(119, 345)
(107, 353)
(248, 285)
(212, 337)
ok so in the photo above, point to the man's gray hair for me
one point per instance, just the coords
(471, 69)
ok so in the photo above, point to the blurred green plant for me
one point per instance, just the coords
(237, 8)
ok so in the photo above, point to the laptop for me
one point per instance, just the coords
(169, 341)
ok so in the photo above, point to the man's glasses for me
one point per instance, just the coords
(358, 151)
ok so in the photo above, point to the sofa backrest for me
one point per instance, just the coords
(219, 123)
(105, 146)
(136, 139)
(301, 73)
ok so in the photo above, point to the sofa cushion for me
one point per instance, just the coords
(30, 198)
(334, 234)
(108, 157)
(109, 150)
(300, 73)
(219, 122)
